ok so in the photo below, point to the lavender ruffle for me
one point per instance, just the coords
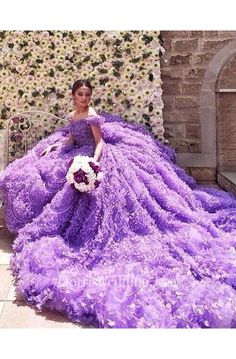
(95, 120)
(149, 248)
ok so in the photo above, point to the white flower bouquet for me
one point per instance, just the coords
(84, 173)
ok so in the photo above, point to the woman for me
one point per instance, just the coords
(147, 248)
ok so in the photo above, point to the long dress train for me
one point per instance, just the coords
(148, 248)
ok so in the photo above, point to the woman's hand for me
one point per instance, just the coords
(49, 149)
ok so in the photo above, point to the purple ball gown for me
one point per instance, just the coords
(148, 248)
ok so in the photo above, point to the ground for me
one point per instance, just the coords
(14, 312)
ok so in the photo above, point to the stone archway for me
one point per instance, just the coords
(208, 100)
(226, 117)
(208, 106)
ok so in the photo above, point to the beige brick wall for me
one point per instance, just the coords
(226, 120)
(183, 67)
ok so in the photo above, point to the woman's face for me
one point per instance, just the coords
(82, 96)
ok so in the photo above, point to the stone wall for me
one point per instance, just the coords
(183, 67)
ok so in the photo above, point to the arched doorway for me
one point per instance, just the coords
(218, 115)
(226, 117)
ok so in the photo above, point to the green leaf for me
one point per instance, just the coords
(103, 71)
(20, 92)
(146, 55)
(97, 101)
(145, 116)
(135, 60)
(116, 73)
(104, 81)
(51, 73)
(2, 34)
(150, 77)
(87, 58)
(117, 64)
(147, 39)
(150, 107)
(56, 107)
(94, 64)
(103, 57)
(117, 54)
(60, 95)
(91, 44)
(127, 37)
(79, 65)
(35, 93)
(117, 93)
(45, 93)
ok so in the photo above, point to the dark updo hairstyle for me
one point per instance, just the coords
(80, 83)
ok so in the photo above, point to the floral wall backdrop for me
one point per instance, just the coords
(38, 68)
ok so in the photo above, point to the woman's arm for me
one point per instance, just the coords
(67, 143)
(96, 130)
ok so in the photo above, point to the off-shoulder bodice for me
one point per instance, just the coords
(81, 129)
